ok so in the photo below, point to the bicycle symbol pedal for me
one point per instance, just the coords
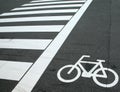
(94, 72)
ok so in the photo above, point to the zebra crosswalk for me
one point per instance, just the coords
(20, 28)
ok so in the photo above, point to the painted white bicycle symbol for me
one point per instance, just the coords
(94, 72)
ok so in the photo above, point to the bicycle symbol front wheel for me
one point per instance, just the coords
(106, 85)
(76, 72)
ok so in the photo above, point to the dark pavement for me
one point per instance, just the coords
(96, 34)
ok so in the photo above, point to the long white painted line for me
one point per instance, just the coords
(39, 28)
(33, 44)
(28, 19)
(36, 71)
(10, 70)
(43, 0)
(35, 1)
(47, 3)
(47, 7)
(40, 12)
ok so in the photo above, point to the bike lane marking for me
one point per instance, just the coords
(93, 72)
(34, 74)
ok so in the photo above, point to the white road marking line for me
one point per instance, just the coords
(36, 71)
(35, 1)
(38, 28)
(40, 12)
(47, 7)
(47, 3)
(33, 44)
(28, 19)
(10, 70)
(43, 0)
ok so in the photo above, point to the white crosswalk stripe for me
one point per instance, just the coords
(43, 0)
(50, 0)
(9, 72)
(65, 20)
(45, 18)
(48, 6)
(37, 28)
(40, 12)
(25, 43)
(48, 3)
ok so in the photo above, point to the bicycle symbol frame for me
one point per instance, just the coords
(94, 72)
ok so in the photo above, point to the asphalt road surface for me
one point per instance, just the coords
(38, 38)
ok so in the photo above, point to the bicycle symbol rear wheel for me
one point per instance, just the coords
(113, 83)
(68, 80)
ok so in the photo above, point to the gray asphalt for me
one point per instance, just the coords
(96, 34)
